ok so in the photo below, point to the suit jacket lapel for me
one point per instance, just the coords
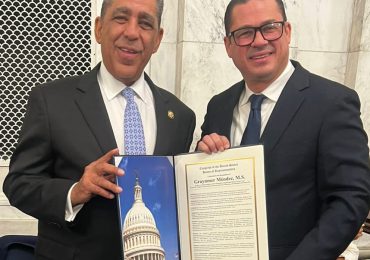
(161, 112)
(287, 106)
(227, 110)
(91, 104)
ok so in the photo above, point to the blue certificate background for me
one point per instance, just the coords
(156, 177)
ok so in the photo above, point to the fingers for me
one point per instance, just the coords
(213, 143)
(98, 179)
(103, 187)
(104, 169)
(87, 188)
(108, 156)
(225, 142)
(109, 177)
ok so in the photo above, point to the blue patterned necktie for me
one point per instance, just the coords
(252, 132)
(133, 127)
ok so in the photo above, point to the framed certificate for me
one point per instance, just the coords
(197, 206)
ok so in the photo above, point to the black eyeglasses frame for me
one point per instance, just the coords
(259, 28)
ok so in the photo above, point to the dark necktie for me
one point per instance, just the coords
(252, 132)
(133, 127)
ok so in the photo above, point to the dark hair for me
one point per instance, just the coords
(233, 3)
(160, 4)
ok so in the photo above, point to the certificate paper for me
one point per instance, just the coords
(216, 204)
(221, 205)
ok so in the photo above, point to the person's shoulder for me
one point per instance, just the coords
(59, 86)
(332, 90)
(172, 100)
(323, 85)
(67, 82)
(323, 82)
(230, 93)
(234, 89)
(63, 89)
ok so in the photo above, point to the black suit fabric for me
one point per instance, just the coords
(66, 127)
(316, 165)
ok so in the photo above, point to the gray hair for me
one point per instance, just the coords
(160, 4)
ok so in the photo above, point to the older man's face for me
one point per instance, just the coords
(129, 34)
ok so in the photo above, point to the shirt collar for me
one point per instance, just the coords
(113, 87)
(274, 90)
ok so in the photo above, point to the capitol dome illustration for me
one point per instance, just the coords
(141, 237)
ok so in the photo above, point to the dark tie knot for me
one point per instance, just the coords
(256, 101)
(128, 93)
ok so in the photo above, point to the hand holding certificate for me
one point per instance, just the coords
(220, 201)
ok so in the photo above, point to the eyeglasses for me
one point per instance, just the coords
(245, 36)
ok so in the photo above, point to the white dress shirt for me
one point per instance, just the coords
(115, 103)
(241, 111)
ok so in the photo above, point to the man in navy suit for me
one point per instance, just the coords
(316, 153)
(60, 171)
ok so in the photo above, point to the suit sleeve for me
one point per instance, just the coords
(31, 185)
(213, 119)
(191, 128)
(343, 181)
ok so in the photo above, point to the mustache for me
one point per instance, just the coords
(260, 50)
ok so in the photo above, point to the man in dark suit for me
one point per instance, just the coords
(60, 171)
(316, 153)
